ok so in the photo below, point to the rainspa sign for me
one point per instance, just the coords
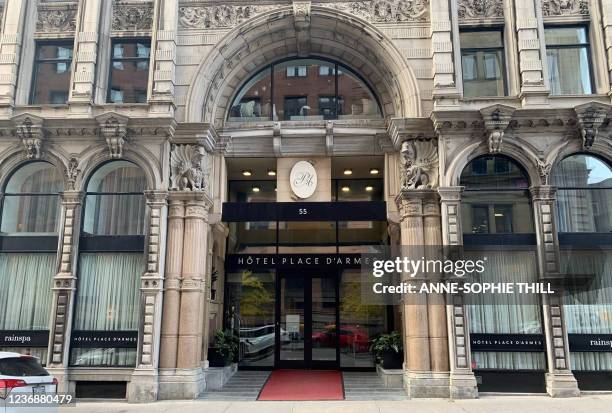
(303, 179)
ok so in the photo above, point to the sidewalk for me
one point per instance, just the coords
(496, 404)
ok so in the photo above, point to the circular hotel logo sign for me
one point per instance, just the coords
(303, 179)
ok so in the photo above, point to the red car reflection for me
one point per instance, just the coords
(352, 337)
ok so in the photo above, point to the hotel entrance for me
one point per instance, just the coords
(306, 319)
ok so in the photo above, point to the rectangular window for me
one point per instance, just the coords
(482, 62)
(296, 107)
(52, 69)
(129, 73)
(297, 71)
(326, 107)
(568, 55)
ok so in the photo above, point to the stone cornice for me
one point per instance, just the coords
(203, 134)
(401, 129)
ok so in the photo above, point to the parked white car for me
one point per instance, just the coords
(21, 376)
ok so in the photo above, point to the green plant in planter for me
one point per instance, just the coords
(387, 345)
(227, 344)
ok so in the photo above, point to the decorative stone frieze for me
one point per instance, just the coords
(385, 11)
(419, 164)
(565, 7)
(219, 16)
(480, 9)
(591, 117)
(496, 120)
(190, 167)
(132, 16)
(52, 18)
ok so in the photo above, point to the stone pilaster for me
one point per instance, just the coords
(182, 376)
(64, 286)
(144, 384)
(164, 58)
(530, 53)
(419, 222)
(442, 47)
(560, 381)
(10, 50)
(606, 8)
(462, 381)
(86, 49)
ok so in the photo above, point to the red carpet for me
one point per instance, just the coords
(303, 385)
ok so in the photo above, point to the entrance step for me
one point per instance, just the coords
(244, 385)
(369, 386)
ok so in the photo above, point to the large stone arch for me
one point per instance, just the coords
(273, 36)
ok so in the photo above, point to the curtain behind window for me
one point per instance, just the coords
(108, 298)
(513, 313)
(590, 312)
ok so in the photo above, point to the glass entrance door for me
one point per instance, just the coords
(307, 316)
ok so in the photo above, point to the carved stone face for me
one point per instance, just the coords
(407, 150)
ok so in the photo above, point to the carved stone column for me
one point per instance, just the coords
(462, 381)
(530, 50)
(606, 8)
(172, 282)
(10, 50)
(560, 381)
(64, 286)
(426, 372)
(144, 384)
(86, 49)
(164, 57)
(182, 376)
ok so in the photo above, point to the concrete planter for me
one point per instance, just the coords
(216, 377)
(392, 378)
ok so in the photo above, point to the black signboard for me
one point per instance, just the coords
(296, 261)
(304, 211)
(104, 339)
(507, 342)
(590, 342)
(24, 338)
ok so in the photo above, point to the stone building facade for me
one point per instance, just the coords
(68, 101)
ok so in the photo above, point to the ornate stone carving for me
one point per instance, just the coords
(564, 7)
(132, 16)
(301, 14)
(385, 11)
(591, 116)
(496, 120)
(480, 9)
(72, 171)
(56, 19)
(544, 169)
(114, 132)
(212, 17)
(189, 168)
(419, 164)
(31, 138)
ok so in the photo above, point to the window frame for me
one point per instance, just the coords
(339, 70)
(578, 46)
(502, 49)
(132, 40)
(37, 62)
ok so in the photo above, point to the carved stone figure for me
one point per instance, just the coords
(496, 138)
(114, 133)
(564, 7)
(189, 168)
(385, 11)
(591, 116)
(480, 9)
(419, 164)
(544, 169)
(56, 19)
(71, 173)
(132, 16)
(30, 138)
(211, 17)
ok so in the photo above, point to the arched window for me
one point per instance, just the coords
(496, 198)
(111, 261)
(304, 89)
(584, 222)
(584, 194)
(30, 213)
(497, 222)
(31, 200)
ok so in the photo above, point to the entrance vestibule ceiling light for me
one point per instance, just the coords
(345, 189)
(348, 172)
(246, 172)
(271, 172)
(369, 188)
(255, 189)
(374, 171)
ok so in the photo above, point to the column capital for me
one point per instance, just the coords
(72, 198)
(543, 193)
(156, 198)
(450, 193)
